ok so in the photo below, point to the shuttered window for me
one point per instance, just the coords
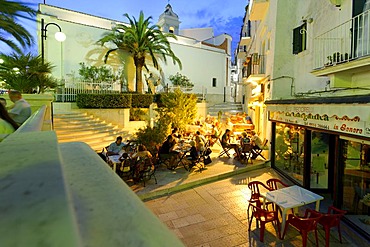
(299, 39)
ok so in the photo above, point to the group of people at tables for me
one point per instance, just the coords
(239, 143)
(133, 153)
(180, 148)
(13, 116)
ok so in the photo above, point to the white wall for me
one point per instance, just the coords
(200, 63)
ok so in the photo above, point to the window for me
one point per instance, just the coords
(171, 30)
(214, 82)
(299, 39)
(289, 150)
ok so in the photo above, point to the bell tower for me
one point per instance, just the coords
(169, 21)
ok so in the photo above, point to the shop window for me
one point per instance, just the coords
(289, 148)
(299, 39)
(356, 182)
(319, 160)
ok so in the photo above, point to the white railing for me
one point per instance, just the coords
(67, 91)
(343, 43)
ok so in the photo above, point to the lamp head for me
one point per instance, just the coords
(60, 36)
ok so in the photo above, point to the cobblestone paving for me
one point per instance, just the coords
(214, 215)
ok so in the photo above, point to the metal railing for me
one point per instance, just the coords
(348, 41)
(66, 92)
(256, 65)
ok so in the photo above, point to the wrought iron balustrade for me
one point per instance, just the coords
(346, 42)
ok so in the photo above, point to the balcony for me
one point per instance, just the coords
(257, 9)
(255, 68)
(343, 50)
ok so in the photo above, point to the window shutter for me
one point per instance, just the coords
(297, 40)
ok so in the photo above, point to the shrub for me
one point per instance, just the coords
(103, 100)
(141, 100)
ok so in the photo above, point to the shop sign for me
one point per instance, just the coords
(344, 118)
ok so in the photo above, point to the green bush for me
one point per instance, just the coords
(141, 100)
(138, 114)
(103, 100)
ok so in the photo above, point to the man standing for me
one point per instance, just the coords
(21, 110)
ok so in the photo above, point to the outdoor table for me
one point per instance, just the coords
(183, 150)
(291, 198)
(114, 160)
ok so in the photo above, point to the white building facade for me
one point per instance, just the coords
(307, 77)
(206, 63)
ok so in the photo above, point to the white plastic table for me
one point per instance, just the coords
(291, 197)
(114, 159)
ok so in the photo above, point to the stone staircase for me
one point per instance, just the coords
(225, 107)
(81, 127)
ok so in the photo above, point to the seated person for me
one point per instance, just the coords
(244, 139)
(200, 141)
(225, 142)
(21, 110)
(256, 143)
(142, 153)
(115, 147)
(193, 155)
(7, 124)
(167, 149)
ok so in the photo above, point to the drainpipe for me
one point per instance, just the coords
(292, 86)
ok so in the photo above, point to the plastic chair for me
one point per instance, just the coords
(273, 184)
(254, 186)
(264, 216)
(304, 225)
(331, 219)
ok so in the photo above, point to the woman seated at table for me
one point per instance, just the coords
(167, 149)
(200, 141)
(142, 153)
(245, 139)
(193, 155)
(225, 142)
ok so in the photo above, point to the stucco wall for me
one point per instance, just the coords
(200, 63)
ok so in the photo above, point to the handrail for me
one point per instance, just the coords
(34, 122)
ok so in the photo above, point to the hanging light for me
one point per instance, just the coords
(337, 3)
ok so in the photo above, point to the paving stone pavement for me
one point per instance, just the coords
(214, 214)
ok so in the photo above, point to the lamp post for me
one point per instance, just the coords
(58, 36)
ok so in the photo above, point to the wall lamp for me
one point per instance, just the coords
(59, 36)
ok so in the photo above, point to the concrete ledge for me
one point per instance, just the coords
(108, 212)
(186, 186)
(35, 209)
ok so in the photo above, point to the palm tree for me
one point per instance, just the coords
(10, 12)
(26, 73)
(141, 40)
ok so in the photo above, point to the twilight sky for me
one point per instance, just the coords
(225, 16)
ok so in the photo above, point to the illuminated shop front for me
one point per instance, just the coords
(324, 145)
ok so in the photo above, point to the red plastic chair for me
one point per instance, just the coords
(304, 225)
(273, 183)
(254, 186)
(331, 219)
(263, 216)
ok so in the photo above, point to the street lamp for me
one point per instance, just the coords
(59, 36)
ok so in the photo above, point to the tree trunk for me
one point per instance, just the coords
(139, 79)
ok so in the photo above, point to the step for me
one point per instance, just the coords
(86, 137)
(84, 126)
(86, 132)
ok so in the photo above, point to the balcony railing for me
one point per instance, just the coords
(343, 43)
(256, 65)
